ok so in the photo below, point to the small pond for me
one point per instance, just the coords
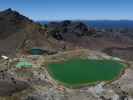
(36, 51)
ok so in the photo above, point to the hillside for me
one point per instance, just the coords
(78, 32)
(18, 32)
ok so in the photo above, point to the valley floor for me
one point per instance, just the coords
(38, 84)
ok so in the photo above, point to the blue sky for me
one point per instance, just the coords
(72, 9)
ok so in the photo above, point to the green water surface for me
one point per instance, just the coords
(76, 72)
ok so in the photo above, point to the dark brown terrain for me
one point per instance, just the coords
(123, 53)
(18, 32)
(81, 35)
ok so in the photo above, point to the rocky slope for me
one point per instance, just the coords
(68, 30)
(78, 34)
(124, 53)
(18, 31)
(81, 34)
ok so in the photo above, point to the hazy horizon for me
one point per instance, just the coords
(88, 20)
(48, 10)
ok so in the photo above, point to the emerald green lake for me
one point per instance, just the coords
(76, 72)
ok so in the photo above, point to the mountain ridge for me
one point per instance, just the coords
(103, 23)
(23, 34)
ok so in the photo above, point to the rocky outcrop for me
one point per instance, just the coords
(9, 85)
(11, 22)
(67, 30)
(7, 88)
(124, 53)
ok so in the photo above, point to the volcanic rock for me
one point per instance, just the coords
(18, 32)
(67, 30)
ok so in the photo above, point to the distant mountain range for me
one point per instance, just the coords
(105, 23)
